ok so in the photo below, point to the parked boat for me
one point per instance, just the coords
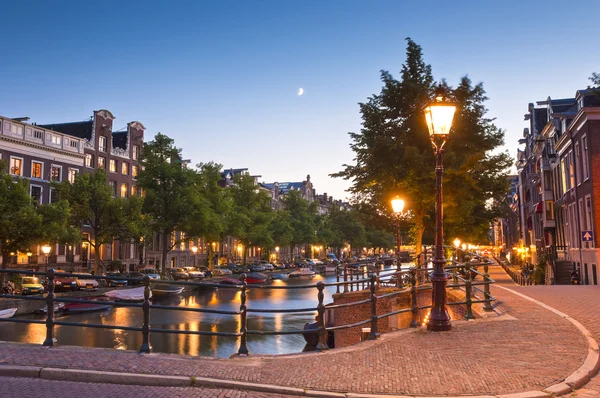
(130, 295)
(166, 290)
(256, 277)
(302, 272)
(230, 281)
(279, 276)
(77, 308)
(8, 313)
(330, 268)
(58, 307)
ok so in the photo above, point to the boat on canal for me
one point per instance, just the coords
(8, 313)
(302, 272)
(166, 290)
(230, 281)
(279, 276)
(92, 306)
(128, 295)
(256, 277)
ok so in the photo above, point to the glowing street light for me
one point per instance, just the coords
(46, 250)
(398, 208)
(194, 250)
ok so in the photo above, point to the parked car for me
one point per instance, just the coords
(194, 273)
(222, 271)
(266, 265)
(207, 273)
(31, 285)
(179, 274)
(86, 284)
(118, 281)
(256, 268)
(137, 275)
(63, 283)
(151, 272)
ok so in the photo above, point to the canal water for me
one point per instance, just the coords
(186, 344)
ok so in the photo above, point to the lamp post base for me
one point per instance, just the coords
(439, 319)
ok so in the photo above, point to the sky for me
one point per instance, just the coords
(222, 77)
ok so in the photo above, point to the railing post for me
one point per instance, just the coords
(377, 271)
(345, 277)
(413, 298)
(337, 278)
(468, 301)
(146, 347)
(49, 342)
(244, 315)
(455, 279)
(322, 345)
(487, 306)
(373, 334)
(352, 279)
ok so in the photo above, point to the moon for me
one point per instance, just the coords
(300, 91)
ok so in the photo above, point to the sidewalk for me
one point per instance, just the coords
(528, 348)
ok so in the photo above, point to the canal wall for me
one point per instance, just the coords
(361, 312)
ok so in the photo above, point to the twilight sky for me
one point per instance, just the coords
(221, 77)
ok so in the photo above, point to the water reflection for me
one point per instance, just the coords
(190, 344)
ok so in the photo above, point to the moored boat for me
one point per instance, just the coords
(58, 307)
(279, 276)
(256, 277)
(166, 290)
(8, 313)
(130, 295)
(302, 272)
(76, 308)
(230, 281)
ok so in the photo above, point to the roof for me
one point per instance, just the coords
(284, 187)
(77, 129)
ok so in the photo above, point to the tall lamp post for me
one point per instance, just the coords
(194, 250)
(46, 250)
(398, 207)
(438, 115)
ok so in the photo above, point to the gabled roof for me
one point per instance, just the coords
(285, 187)
(77, 129)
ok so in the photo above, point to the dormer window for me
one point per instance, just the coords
(102, 143)
(580, 104)
(564, 125)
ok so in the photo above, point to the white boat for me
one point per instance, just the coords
(330, 268)
(8, 313)
(302, 272)
(167, 290)
(135, 294)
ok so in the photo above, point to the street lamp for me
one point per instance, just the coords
(456, 247)
(438, 116)
(46, 250)
(194, 250)
(398, 207)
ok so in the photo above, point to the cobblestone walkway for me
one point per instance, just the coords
(527, 348)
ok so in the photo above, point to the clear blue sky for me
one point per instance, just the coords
(221, 77)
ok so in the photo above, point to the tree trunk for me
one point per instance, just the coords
(96, 258)
(5, 260)
(245, 253)
(166, 237)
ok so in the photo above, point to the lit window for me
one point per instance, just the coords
(102, 143)
(15, 129)
(72, 175)
(101, 163)
(113, 166)
(37, 169)
(134, 171)
(123, 190)
(55, 173)
(125, 168)
(16, 166)
(56, 140)
(584, 158)
(133, 190)
(89, 160)
(136, 152)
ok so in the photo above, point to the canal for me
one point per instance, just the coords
(187, 344)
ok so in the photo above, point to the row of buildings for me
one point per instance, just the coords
(554, 210)
(45, 153)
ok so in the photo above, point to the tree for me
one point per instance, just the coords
(344, 228)
(595, 79)
(251, 214)
(281, 228)
(92, 205)
(394, 154)
(303, 217)
(171, 199)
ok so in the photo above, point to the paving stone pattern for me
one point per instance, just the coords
(13, 387)
(523, 350)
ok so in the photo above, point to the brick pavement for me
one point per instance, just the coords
(522, 350)
(13, 387)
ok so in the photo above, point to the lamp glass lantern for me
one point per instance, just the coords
(397, 205)
(46, 249)
(439, 114)
(456, 243)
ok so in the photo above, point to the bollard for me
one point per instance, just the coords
(337, 278)
(322, 346)
(146, 347)
(345, 278)
(413, 298)
(373, 333)
(49, 342)
(244, 315)
(468, 300)
(487, 306)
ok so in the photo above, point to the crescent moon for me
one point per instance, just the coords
(300, 91)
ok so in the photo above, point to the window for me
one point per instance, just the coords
(133, 190)
(101, 163)
(563, 171)
(125, 168)
(584, 158)
(124, 190)
(53, 195)
(134, 171)
(549, 210)
(15, 128)
(38, 135)
(55, 173)
(36, 193)
(577, 163)
(102, 143)
(113, 185)
(72, 175)
(136, 152)
(37, 169)
(589, 216)
(74, 144)
(113, 166)
(571, 171)
(89, 160)
(56, 140)
(16, 166)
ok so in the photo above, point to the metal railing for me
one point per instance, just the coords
(348, 278)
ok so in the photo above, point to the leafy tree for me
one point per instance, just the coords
(344, 228)
(171, 199)
(92, 205)
(379, 239)
(595, 79)
(281, 228)
(394, 154)
(251, 213)
(303, 217)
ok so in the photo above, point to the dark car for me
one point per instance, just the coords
(137, 275)
(118, 281)
(207, 273)
(63, 283)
